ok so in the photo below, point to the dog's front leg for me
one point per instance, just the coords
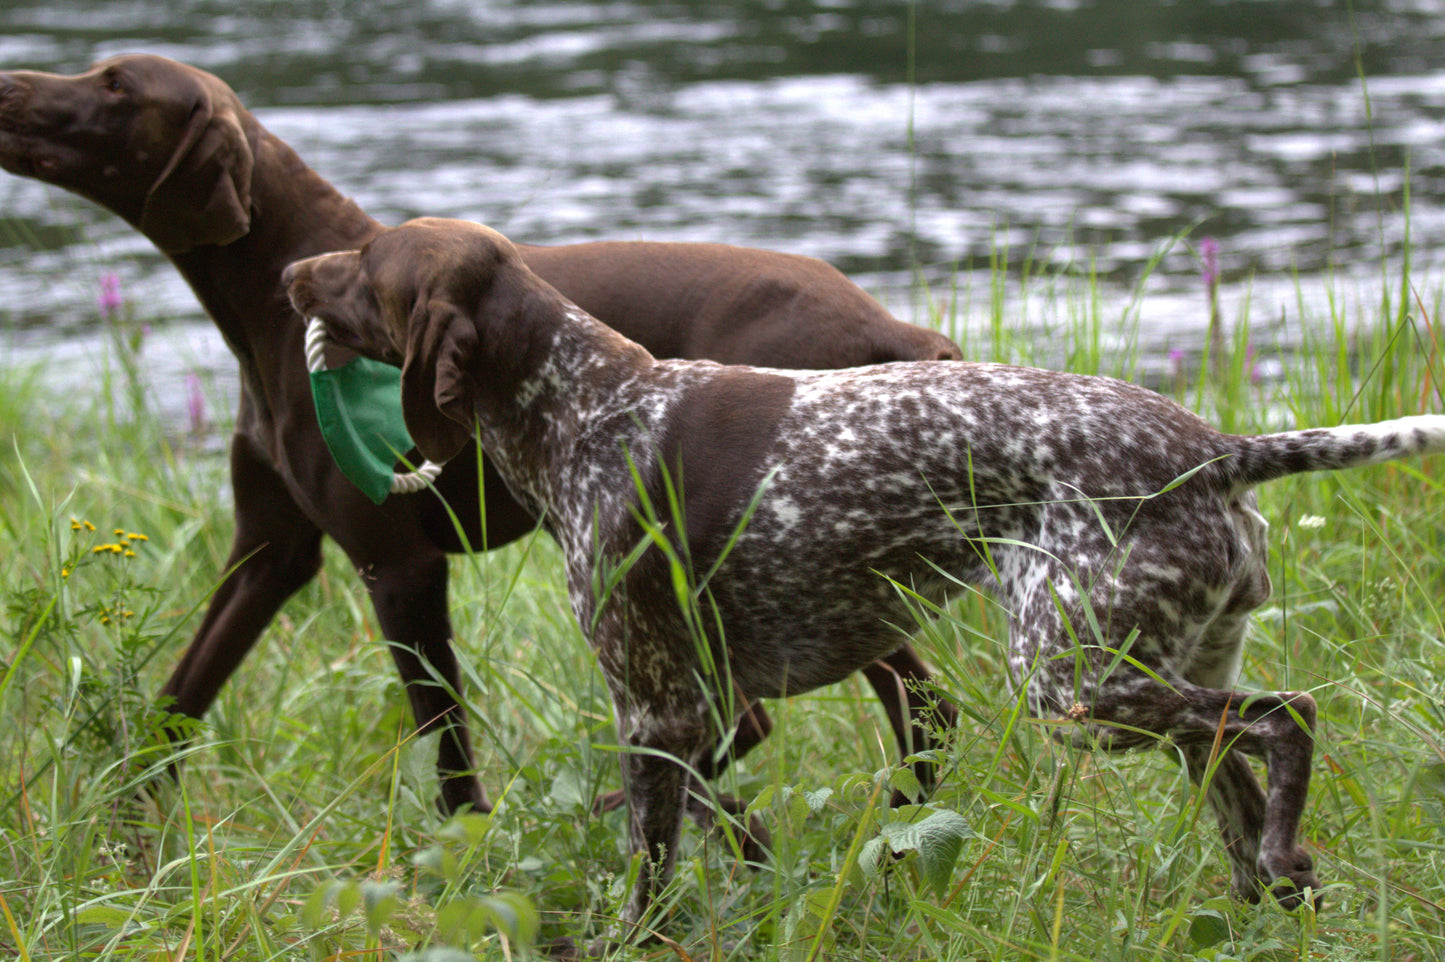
(662, 736)
(410, 600)
(656, 789)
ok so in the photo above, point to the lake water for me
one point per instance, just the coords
(896, 140)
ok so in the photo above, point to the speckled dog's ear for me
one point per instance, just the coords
(438, 392)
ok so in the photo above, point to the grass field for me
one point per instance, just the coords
(303, 825)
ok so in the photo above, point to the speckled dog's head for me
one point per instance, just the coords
(413, 297)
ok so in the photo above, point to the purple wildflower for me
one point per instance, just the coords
(110, 300)
(1209, 254)
(1176, 362)
(1251, 366)
(196, 404)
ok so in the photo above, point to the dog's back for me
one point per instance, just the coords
(917, 478)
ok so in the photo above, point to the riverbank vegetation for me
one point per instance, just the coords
(302, 825)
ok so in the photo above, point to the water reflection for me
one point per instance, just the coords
(893, 139)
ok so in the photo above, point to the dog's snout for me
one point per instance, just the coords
(288, 275)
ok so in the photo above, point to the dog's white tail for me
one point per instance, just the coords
(1265, 457)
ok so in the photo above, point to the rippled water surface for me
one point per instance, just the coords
(895, 140)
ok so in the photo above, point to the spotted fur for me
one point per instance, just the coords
(1103, 517)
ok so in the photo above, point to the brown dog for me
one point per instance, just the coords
(1105, 519)
(171, 150)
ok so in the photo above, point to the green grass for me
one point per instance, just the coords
(303, 824)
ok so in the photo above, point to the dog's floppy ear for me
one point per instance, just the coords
(203, 195)
(438, 391)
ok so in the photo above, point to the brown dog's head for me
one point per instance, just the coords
(164, 145)
(416, 296)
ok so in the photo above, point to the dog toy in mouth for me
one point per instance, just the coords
(358, 405)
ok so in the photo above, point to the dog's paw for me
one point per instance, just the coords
(1245, 885)
(1288, 876)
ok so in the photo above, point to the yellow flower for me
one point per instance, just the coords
(74, 525)
(137, 537)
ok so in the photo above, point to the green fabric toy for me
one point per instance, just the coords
(358, 405)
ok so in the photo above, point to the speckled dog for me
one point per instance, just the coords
(1103, 516)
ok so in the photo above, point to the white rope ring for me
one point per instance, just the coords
(401, 483)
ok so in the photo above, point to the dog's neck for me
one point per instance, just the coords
(295, 213)
(548, 386)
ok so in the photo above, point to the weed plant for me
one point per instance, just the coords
(303, 826)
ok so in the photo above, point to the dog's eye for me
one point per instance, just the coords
(112, 83)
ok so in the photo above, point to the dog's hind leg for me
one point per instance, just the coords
(1275, 727)
(1239, 805)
